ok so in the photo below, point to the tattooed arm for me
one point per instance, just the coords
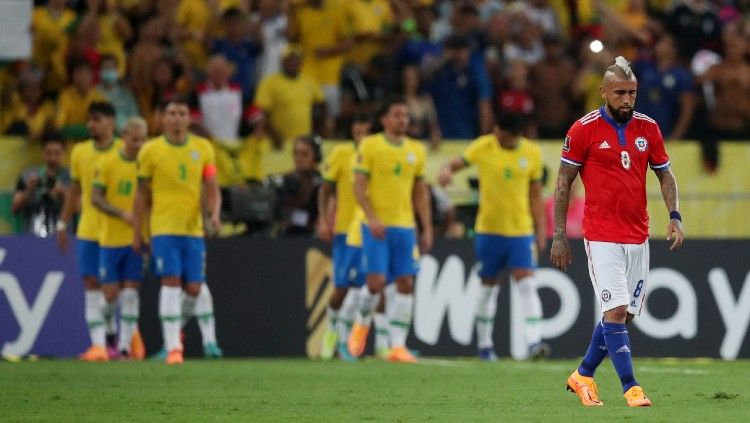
(671, 198)
(560, 253)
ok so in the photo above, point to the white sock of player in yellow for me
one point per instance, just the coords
(171, 319)
(366, 304)
(485, 320)
(187, 307)
(94, 308)
(381, 331)
(333, 318)
(129, 307)
(532, 309)
(204, 312)
(400, 319)
(347, 313)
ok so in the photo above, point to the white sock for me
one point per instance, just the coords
(94, 300)
(381, 331)
(110, 323)
(169, 312)
(401, 319)
(532, 309)
(333, 318)
(366, 304)
(129, 306)
(389, 293)
(347, 313)
(204, 312)
(485, 320)
(187, 306)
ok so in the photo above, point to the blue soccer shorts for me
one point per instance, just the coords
(119, 264)
(394, 256)
(346, 264)
(88, 257)
(495, 253)
(181, 256)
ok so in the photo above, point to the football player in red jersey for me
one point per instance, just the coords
(611, 148)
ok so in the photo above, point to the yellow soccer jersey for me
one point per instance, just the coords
(368, 17)
(73, 108)
(176, 174)
(251, 157)
(117, 175)
(110, 41)
(83, 162)
(338, 170)
(196, 16)
(308, 22)
(289, 101)
(504, 180)
(392, 169)
(354, 231)
(51, 38)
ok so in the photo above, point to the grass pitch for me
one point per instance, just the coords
(455, 390)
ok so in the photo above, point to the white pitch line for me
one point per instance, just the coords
(678, 370)
(550, 367)
(444, 363)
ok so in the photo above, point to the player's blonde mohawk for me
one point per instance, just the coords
(624, 66)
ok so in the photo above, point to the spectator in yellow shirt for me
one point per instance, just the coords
(74, 101)
(114, 30)
(289, 100)
(372, 23)
(29, 113)
(322, 51)
(195, 19)
(51, 25)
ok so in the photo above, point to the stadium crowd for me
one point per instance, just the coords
(262, 73)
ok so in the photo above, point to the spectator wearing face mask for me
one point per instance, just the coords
(116, 92)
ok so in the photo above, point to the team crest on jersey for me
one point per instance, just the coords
(641, 144)
(194, 154)
(523, 163)
(566, 144)
(411, 158)
(606, 295)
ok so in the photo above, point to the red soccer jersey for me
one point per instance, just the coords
(613, 159)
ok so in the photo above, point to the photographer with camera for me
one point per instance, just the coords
(297, 190)
(40, 190)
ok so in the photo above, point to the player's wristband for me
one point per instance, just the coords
(675, 215)
(61, 226)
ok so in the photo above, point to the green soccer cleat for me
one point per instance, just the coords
(382, 353)
(212, 351)
(328, 348)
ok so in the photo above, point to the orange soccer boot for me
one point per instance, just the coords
(175, 356)
(585, 388)
(137, 347)
(358, 339)
(636, 397)
(401, 355)
(95, 353)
